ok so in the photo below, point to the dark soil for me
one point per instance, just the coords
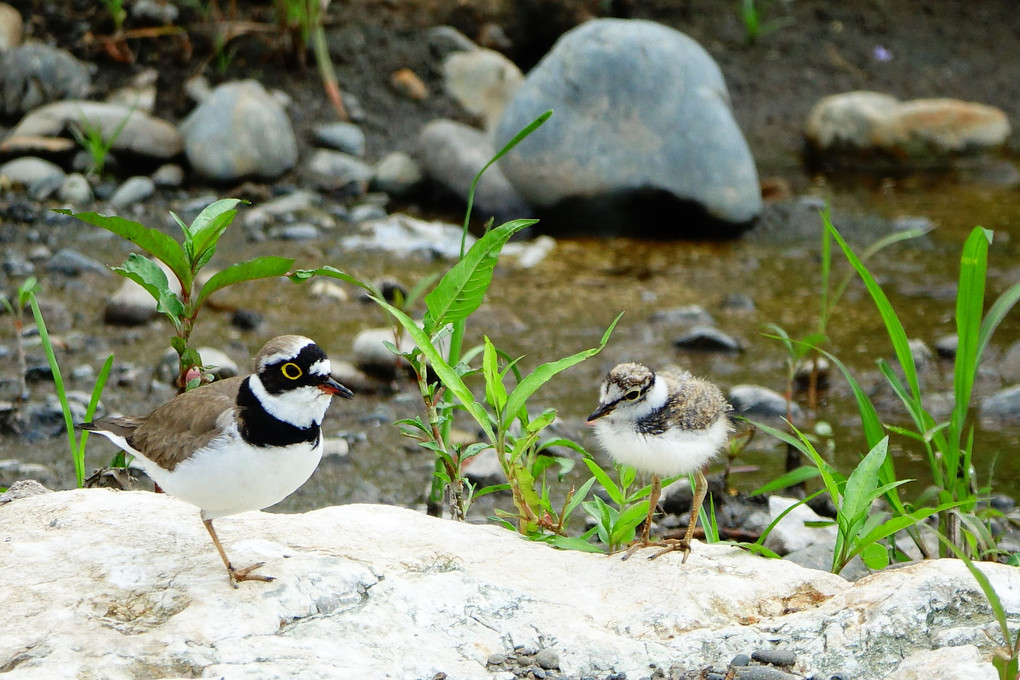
(808, 49)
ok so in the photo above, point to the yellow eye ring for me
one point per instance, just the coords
(291, 370)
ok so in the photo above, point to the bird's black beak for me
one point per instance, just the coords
(333, 387)
(602, 410)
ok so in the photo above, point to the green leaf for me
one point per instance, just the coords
(209, 226)
(857, 495)
(875, 556)
(893, 325)
(569, 543)
(624, 528)
(460, 291)
(58, 385)
(542, 374)
(791, 478)
(495, 391)
(531, 127)
(159, 245)
(302, 275)
(544, 420)
(259, 268)
(606, 481)
(442, 369)
(577, 498)
(152, 278)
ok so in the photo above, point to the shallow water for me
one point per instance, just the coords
(565, 303)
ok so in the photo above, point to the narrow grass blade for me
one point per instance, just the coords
(615, 494)
(531, 127)
(58, 383)
(893, 325)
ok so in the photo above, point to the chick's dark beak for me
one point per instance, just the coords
(602, 410)
(331, 386)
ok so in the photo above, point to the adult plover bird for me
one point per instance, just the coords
(238, 444)
(664, 424)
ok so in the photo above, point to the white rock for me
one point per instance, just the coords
(129, 582)
(30, 170)
(404, 235)
(792, 533)
(947, 663)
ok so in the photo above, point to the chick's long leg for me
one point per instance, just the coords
(684, 544)
(653, 502)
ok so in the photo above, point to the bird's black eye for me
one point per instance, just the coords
(632, 395)
(291, 370)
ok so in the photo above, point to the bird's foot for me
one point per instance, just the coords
(244, 574)
(672, 545)
(637, 545)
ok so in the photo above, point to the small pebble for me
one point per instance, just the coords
(709, 339)
(776, 657)
(548, 658)
(495, 659)
(246, 319)
(740, 660)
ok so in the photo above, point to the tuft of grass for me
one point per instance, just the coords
(948, 445)
(75, 444)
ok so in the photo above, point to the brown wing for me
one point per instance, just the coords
(184, 424)
(695, 403)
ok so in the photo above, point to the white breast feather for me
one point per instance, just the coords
(675, 452)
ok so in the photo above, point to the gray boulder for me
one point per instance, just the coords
(239, 130)
(639, 109)
(35, 74)
(452, 154)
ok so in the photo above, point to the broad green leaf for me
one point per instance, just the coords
(460, 291)
(159, 245)
(857, 495)
(259, 268)
(542, 374)
(152, 278)
(875, 556)
(624, 528)
(544, 420)
(209, 226)
(895, 524)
